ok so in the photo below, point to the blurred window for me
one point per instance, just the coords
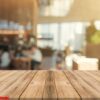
(55, 7)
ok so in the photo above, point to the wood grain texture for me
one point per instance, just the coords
(64, 88)
(14, 85)
(50, 85)
(50, 91)
(5, 74)
(36, 87)
(86, 86)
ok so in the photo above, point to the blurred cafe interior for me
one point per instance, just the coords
(49, 34)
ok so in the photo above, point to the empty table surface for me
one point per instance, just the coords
(52, 85)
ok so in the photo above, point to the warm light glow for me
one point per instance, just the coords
(56, 8)
(97, 25)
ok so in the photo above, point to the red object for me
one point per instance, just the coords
(4, 98)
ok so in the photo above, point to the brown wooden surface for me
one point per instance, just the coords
(50, 85)
(22, 63)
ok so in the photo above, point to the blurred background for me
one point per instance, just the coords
(66, 32)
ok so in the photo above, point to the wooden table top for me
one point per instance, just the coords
(56, 85)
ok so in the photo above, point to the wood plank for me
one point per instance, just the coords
(50, 85)
(95, 73)
(95, 76)
(50, 91)
(21, 84)
(5, 74)
(2, 72)
(9, 80)
(84, 85)
(17, 84)
(64, 88)
(92, 82)
(4, 85)
(36, 87)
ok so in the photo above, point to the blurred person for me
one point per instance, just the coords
(58, 59)
(5, 60)
(36, 56)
